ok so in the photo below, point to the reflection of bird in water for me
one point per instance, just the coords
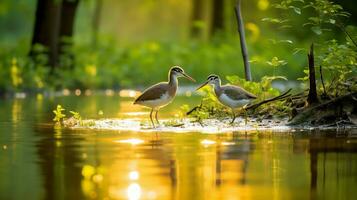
(229, 95)
(161, 94)
(238, 152)
(155, 141)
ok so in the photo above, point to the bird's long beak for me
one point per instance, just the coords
(201, 86)
(188, 77)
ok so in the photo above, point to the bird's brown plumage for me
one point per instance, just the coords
(235, 92)
(156, 91)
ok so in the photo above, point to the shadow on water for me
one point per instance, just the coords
(38, 161)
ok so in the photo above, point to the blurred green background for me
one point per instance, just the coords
(120, 44)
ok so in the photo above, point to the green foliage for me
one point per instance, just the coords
(327, 13)
(262, 89)
(275, 62)
(77, 117)
(339, 63)
(115, 66)
(59, 116)
(337, 58)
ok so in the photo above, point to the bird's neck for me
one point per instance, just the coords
(217, 88)
(173, 80)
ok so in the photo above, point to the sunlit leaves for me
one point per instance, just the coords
(289, 4)
(281, 41)
(263, 4)
(327, 13)
(298, 50)
(58, 113)
(76, 115)
(91, 70)
(283, 23)
(275, 62)
(317, 30)
(15, 73)
(261, 89)
(274, 20)
(267, 80)
(296, 9)
(306, 77)
(254, 29)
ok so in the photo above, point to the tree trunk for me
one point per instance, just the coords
(196, 18)
(248, 74)
(312, 96)
(217, 16)
(96, 21)
(54, 22)
(68, 13)
(46, 28)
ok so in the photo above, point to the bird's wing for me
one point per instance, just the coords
(237, 93)
(152, 93)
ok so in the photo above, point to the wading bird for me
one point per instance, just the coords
(161, 94)
(229, 95)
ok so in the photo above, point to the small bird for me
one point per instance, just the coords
(229, 95)
(161, 94)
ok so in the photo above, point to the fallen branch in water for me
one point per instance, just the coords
(280, 97)
(194, 109)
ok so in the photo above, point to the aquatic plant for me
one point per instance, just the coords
(59, 116)
(77, 117)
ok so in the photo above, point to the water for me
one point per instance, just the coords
(40, 162)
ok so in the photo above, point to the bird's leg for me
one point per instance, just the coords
(151, 118)
(156, 117)
(245, 116)
(234, 116)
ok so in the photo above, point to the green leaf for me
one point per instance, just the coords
(317, 30)
(296, 9)
(274, 20)
(297, 50)
(286, 41)
(233, 79)
(275, 62)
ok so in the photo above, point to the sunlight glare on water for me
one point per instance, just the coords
(133, 175)
(134, 191)
(132, 141)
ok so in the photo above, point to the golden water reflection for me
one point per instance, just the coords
(196, 166)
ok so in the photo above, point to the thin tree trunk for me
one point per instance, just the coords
(312, 96)
(248, 75)
(217, 16)
(46, 29)
(196, 31)
(96, 21)
(68, 13)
